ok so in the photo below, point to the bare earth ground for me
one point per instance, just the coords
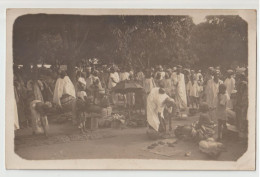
(65, 142)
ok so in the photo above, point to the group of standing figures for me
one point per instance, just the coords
(182, 87)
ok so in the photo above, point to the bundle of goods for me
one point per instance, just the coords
(66, 102)
(212, 148)
(117, 121)
(202, 132)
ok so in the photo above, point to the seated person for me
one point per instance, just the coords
(204, 128)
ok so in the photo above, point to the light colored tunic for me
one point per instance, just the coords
(63, 86)
(168, 86)
(113, 77)
(193, 89)
(37, 119)
(221, 112)
(212, 92)
(180, 94)
(230, 84)
(155, 105)
(124, 76)
(148, 85)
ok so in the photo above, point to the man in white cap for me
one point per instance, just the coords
(230, 84)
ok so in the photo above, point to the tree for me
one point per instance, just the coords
(220, 40)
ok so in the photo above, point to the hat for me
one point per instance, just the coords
(230, 71)
(179, 66)
(174, 68)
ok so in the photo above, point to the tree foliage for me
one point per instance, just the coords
(129, 40)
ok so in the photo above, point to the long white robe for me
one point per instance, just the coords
(180, 94)
(212, 92)
(113, 80)
(230, 84)
(63, 86)
(193, 89)
(155, 105)
(148, 85)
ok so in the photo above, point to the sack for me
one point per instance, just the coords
(211, 147)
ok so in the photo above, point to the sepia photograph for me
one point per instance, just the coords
(171, 86)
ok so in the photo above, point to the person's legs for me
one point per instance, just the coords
(74, 112)
(197, 102)
(219, 129)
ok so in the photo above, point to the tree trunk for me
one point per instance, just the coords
(71, 70)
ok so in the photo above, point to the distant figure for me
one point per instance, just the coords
(65, 95)
(221, 112)
(113, 80)
(212, 90)
(230, 84)
(160, 72)
(179, 83)
(39, 116)
(193, 92)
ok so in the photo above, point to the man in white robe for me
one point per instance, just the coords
(180, 92)
(230, 84)
(212, 90)
(113, 80)
(156, 103)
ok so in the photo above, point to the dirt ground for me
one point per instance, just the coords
(65, 142)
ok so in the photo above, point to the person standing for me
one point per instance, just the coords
(193, 91)
(180, 94)
(113, 80)
(211, 92)
(221, 114)
(230, 84)
(160, 74)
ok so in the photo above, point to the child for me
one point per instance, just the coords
(81, 110)
(130, 98)
(221, 113)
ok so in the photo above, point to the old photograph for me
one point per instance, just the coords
(164, 85)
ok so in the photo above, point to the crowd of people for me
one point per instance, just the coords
(167, 91)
